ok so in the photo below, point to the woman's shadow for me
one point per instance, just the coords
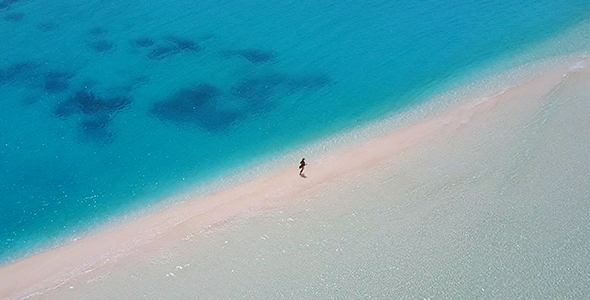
(303, 175)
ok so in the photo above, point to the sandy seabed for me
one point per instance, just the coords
(489, 199)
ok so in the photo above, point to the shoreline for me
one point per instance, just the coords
(51, 269)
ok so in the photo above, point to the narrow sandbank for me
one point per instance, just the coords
(117, 248)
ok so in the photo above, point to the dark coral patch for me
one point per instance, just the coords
(97, 122)
(256, 56)
(95, 129)
(172, 46)
(134, 84)
(14, 17)
(183, 44)
(96, 114)
(116, 104)
(186, 105)
(16, 71)
(6, 3)
(21, 68)
(143, 42)
(262, 87)
(67, 108)
(219, 120)
(196, 107)
(97, 31)
(203, 105)
(162, 52)
(47, 26)
(57, 82)
(88, 103)
(102, 46)
(258, 93)
(91, 104)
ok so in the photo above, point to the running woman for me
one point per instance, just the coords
(302, 166)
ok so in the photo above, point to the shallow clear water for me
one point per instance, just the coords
(109, 106)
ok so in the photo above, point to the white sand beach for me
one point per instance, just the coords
(486, 200)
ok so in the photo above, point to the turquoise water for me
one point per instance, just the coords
(110, 106)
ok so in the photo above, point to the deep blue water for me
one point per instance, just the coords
(107, 106)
